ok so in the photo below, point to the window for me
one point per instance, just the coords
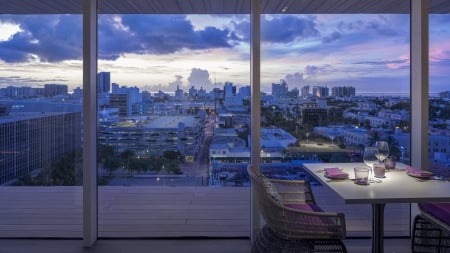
(40, 126)
(179, 83)
(331, 86)
(130, 149)
(439, 97)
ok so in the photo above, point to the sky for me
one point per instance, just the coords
(161, 52)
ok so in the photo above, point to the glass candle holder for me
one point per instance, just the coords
(361, 175)
(390, 162)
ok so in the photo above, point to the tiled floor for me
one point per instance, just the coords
(171, 246)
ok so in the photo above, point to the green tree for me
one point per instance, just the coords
(404, 105)
(171, 154)
(126, 157)
(108, 158)
(66, 171)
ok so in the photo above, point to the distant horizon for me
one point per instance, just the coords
(357, 93)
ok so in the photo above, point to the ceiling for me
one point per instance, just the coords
(218, 6)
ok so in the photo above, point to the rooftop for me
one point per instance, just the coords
(19, 116)
(172, 122)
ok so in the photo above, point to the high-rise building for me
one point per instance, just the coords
(51, 90)
(305, 91)
(343, 91)
(280, 90)
(193, 92)
(122, 102)
(321, 91)
(229, 89)
(104, 82)
(293, 93)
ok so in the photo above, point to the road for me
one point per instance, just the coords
(199, 167)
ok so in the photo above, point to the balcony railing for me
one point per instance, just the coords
(161, 211)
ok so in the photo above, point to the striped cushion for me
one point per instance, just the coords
(305, 207)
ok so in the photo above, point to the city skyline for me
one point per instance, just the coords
(159, 52)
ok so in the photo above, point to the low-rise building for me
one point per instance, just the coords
(356, 136)
(154, 135)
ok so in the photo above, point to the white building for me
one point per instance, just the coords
(356, 136)
(439, 147)
(378, 121)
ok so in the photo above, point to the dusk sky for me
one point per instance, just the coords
(159, 52)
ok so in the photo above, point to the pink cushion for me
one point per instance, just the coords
(418, 172)
(439, 210)
(335, 172)
(305, 207)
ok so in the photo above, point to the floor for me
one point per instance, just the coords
(170, 246)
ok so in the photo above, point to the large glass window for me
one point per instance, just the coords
(40, 126)
(333, 85)
(439, 97)
(173, 106)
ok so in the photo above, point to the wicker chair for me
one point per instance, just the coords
(431, 228)
(291, 215)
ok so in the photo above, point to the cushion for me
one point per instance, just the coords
(418, 172)
(439, 210)
(305, 207)
(335, 173)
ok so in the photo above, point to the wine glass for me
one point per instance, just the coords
(370, 159)
(383, 150)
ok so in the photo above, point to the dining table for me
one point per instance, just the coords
(397, 186)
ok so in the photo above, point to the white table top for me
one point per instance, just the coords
(397, 187)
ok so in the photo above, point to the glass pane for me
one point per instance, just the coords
(439, 99)
(333, 85)
(173, 125)
(40, 126)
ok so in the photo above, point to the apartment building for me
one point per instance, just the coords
(29, 141)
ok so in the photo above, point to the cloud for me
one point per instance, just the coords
(21, 81)
(385, 25)
(54, 38)
(45, 38)
(391, 64)
(311, 70)
(280, 29)
(332, 37)
(199, 77)
(374, 26)
(294, 79)
(157, 34)
(177, 82)
(382, 62)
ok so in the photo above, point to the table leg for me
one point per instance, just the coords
(377, 228)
